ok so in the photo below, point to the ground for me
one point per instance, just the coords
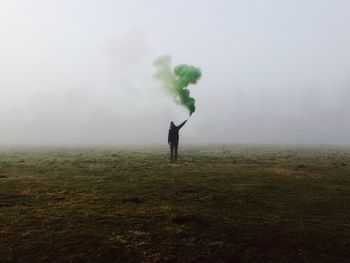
(216, 204)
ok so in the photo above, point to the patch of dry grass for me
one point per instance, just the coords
(217, 204)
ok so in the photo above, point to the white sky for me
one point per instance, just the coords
(80, 71)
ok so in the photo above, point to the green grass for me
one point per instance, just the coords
(216, 204)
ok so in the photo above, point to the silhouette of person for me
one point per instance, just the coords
(173, 139)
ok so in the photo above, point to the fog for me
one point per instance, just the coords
(80, 72)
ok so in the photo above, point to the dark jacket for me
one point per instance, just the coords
(173, 136)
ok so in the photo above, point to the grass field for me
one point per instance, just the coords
(216, 204)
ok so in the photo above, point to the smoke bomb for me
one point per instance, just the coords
(176, 81)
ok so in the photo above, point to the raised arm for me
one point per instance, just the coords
(181, 125)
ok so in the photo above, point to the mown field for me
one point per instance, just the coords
(216, 204)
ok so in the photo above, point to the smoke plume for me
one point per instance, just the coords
(176, 81)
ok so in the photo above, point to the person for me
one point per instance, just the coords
(173, 139)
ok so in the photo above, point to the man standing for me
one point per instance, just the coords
(173, 139)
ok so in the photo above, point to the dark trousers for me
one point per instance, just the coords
(173, 152)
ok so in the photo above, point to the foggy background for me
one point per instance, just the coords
(80, 72)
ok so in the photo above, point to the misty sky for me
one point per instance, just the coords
(80, 71)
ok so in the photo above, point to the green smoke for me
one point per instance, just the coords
(176, 81)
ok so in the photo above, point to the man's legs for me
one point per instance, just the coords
(175, 148)
(171, 152)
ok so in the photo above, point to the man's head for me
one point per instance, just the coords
(172, 125)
